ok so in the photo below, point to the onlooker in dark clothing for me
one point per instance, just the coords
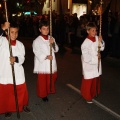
(116, 39)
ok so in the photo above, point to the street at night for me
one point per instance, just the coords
(78, 35)
(67, 103)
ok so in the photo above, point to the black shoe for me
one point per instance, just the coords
(45, 99)
(8, 114)
(26, 109)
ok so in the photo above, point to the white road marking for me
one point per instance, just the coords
(96, 102)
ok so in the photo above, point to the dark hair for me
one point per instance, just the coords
(43, 23)
(14, 25)
(90, 25)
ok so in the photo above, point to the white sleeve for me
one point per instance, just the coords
(38, 51)
(21, 56)
(87, 54)
(56, 47)
(1, 40)
(102, 45)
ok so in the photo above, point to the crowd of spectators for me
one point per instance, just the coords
(71, 31)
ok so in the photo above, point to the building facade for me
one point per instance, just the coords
(78, 6)
(67, 6)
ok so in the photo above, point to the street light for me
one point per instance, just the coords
(18, 4)
(90, 2)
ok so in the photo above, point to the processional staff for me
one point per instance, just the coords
(100, 29)
(99, 42)
(12, 65)
(51, 45)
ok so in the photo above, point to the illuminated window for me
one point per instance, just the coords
(80, 9)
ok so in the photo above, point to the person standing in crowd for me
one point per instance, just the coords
(4, 27)
(7, 96)
(116, 39)
(41, 49)
(89, 58)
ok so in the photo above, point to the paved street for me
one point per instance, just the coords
(67, 103)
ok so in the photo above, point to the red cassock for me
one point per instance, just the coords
(90, 87)
(7, 97)
(43, 84)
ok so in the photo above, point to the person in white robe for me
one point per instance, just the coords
(7, 95)
(41, 49)
(90, 85)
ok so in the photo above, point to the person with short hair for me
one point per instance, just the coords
(91, 76)
(4, 27)
(41, 49)
(7, 96)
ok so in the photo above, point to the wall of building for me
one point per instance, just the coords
(67, 6)
(115, 6)
(46, 7)
(56, 6)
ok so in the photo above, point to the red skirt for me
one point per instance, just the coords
(90, 87)
(43, 84)
(7, 97)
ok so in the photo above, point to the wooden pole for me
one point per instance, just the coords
(101, 2)
(12, 65)
(100, 29)
(51, 45)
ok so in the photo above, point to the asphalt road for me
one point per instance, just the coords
(67, 103)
